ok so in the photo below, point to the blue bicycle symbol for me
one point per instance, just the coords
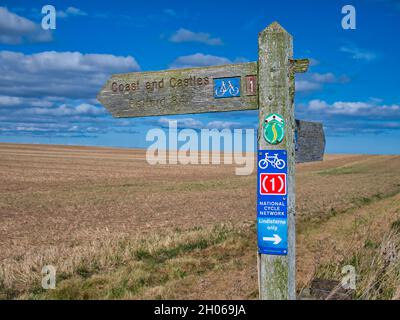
(274, 161)
(227, 87)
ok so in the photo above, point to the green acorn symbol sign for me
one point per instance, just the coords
(274, 128)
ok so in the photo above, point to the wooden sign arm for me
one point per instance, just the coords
(299, 65)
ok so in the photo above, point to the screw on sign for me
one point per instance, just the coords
(274, 161)
(274, 129)
(273, 184)
(227, 88)
(272, 231)
(251, 85)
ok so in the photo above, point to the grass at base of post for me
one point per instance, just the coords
(376, 266)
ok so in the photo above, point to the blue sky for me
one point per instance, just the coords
(49, 80)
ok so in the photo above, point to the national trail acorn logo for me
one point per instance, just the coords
(274, 128)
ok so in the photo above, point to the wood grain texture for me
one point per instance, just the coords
(181, 91)
(276, 95)
(300, 65)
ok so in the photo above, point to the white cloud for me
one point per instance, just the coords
(318, 105)
(48, 93)
(185, 35)
(187, 123)
(50, 61)
(356, 108)
(352, 117)
(220, 125)
(31, 129)
(83, 109)
(191, 123)
(324, 77)
(53, 129)
(306, 86)
(15, 29)
(9, 101)
(359, 54)
(71, 12)
(62, 74)
(351, 108)
(315, 81)
(199, 60)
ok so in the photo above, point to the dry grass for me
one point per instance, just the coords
(88, 210)
(377, 266)
(120, 267)
(343, 235)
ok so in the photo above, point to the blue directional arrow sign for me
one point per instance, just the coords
(272, 226)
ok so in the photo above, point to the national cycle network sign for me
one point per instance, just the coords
(272, 224)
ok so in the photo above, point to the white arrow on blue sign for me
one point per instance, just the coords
(272, 227)
(275, 239)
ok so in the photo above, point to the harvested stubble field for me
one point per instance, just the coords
(118, 228)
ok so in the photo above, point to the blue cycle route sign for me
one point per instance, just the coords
(272, 228)
(227, 87)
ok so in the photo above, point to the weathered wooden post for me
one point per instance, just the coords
(276, 69)
(268, 86)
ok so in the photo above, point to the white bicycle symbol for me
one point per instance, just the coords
(273, 160)
(223, 89)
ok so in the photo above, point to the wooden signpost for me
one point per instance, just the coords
(267, 85)
(181, 91)
(276, 70)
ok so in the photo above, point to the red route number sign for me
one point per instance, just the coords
(273, 184)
